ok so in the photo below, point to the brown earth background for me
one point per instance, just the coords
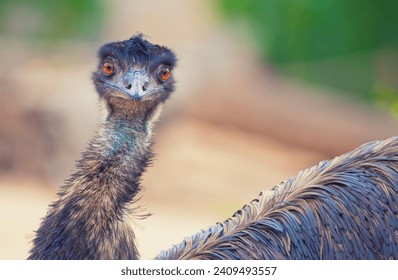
(233, 128)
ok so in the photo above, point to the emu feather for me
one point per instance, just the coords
(345, 208)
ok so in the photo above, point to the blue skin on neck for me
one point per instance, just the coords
(125, 137)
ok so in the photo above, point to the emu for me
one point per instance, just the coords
(346, 208)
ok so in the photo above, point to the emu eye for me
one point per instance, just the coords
(165, 74)
(108, 68)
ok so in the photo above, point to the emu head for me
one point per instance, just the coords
(134, 71)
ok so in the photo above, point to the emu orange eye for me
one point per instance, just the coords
(165, 74)
(107, 68)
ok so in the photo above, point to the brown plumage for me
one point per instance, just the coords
(345, 208)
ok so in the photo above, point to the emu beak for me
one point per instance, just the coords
(135, 84)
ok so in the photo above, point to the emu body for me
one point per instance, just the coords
(345, 208)
(88, 221)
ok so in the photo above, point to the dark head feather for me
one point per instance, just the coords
(138, 50)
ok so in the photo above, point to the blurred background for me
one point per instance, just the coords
(265, 89)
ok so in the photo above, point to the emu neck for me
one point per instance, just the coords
(137, 114)
(89, 219)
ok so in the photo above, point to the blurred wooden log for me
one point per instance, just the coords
(258, 101)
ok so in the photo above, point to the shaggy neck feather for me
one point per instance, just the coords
(88, 221)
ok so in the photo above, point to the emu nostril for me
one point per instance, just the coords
(128, 86)
(144, 88)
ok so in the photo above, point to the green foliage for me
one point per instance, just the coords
(331, 42)
(51, 20)
(387, 96)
